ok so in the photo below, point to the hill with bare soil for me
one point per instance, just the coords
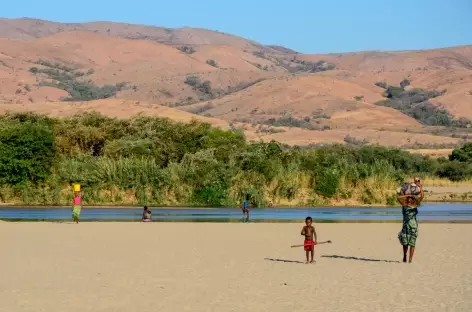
(388, 98)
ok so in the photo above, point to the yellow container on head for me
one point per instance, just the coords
(76, 187)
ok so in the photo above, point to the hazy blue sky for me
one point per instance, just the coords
(315, 26)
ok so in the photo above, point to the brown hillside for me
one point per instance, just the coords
(442, 69)
(157, 70)
(109, 107)
(307, 96)
(249, 84)
(26, 28)
(303, 137)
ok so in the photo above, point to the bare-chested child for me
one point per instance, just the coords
(310, 239)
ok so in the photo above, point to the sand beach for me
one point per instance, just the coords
(230, 267)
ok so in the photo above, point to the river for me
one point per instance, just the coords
(428, 212)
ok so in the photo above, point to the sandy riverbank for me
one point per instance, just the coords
(226, 267)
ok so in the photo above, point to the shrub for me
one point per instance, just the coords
(212, 63)
(288, 121)
(87, 92)
(242, 86)
(56, 65)
(318, 114)
(26, 152)
(197, 84)
(201, 109)
(66, 79)
(327, 182)
(310, 67)
(381, 84)
(462, 154)
(259, 54)
(394, 92)
(391, 200)
(415, 103)
(359, 97)
(404, 83)
(187, 50)
(356, 142)
(193, 81)
(454, 171)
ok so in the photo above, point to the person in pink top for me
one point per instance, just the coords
(76, 207)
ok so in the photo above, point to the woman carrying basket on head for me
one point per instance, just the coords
(76, 204)
(409, 232)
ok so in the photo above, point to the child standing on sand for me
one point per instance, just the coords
(310, 239)
(76, 207)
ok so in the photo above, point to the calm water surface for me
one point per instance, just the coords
(441, 212)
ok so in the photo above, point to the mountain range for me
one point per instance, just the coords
(408, 99)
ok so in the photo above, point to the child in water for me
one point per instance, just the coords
(76, 207)
(146, 215)
(310, 239)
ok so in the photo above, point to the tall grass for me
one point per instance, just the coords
(438, 182)
(196, 180)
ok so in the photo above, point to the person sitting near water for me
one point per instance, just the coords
(146, 215)
(409, 232)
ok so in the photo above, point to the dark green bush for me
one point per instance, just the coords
(381, 84)
(212, 63)
(394, 92)
(197, 84)
(462, 154)
(187, 50)
(454, 171)
(310, 67)
(66, 78)
(289, 121)
(404, 83)
(193, 81)
(415, 103)
(327, 182)
(26, 152)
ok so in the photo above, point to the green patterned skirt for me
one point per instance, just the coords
(409, 233)
(76, 212)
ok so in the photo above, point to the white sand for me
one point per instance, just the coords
(223, 267)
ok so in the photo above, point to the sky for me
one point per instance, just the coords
(315, 26)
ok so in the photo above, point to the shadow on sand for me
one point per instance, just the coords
(358, 259)
(282, 260)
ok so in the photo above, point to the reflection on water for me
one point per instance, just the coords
(442, 212)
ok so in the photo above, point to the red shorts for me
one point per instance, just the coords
(309, 245)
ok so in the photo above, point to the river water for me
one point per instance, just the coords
(428, 212)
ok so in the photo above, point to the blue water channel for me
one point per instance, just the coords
(429, 212)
